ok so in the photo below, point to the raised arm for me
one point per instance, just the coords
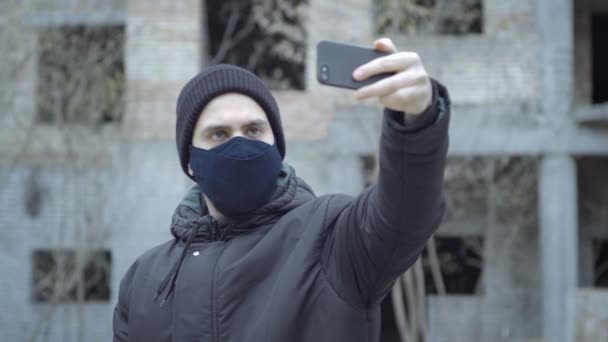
(381, 233)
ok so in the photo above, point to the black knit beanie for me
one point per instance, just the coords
(210, 83)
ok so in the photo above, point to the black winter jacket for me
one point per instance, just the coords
(301, 268)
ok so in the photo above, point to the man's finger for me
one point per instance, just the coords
(384, 44)
(391, 63)
(386, 86)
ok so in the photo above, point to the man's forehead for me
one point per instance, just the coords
(232, 109)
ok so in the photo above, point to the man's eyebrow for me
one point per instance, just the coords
(213, 127)
(255, 122)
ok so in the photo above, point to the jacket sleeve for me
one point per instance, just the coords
(120, 323)
(380, 234)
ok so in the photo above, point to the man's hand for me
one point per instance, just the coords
(408, 91)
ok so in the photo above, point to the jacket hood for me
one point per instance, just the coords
(291, 192)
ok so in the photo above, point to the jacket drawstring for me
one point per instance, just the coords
(165, 281)
(173, 273)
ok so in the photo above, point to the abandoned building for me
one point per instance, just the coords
(523, 248)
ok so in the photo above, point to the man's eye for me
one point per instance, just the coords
(254, 132)
(218, 135)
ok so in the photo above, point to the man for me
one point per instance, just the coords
(256, 256)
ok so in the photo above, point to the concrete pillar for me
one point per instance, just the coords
(557, 178)
(556, 30)
(559, 238)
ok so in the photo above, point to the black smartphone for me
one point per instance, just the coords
(337, 61)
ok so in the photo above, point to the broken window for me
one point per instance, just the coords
(63, 275)
(593, 220)
(81, 74)
(265, 37)
(460, 262)
(447, 17)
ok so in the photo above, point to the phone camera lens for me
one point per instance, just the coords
(324, 73)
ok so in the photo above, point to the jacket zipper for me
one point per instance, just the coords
(214, 316)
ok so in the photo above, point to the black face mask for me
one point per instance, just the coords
(238, 176)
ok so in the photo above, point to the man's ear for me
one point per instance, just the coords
(190, 170)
